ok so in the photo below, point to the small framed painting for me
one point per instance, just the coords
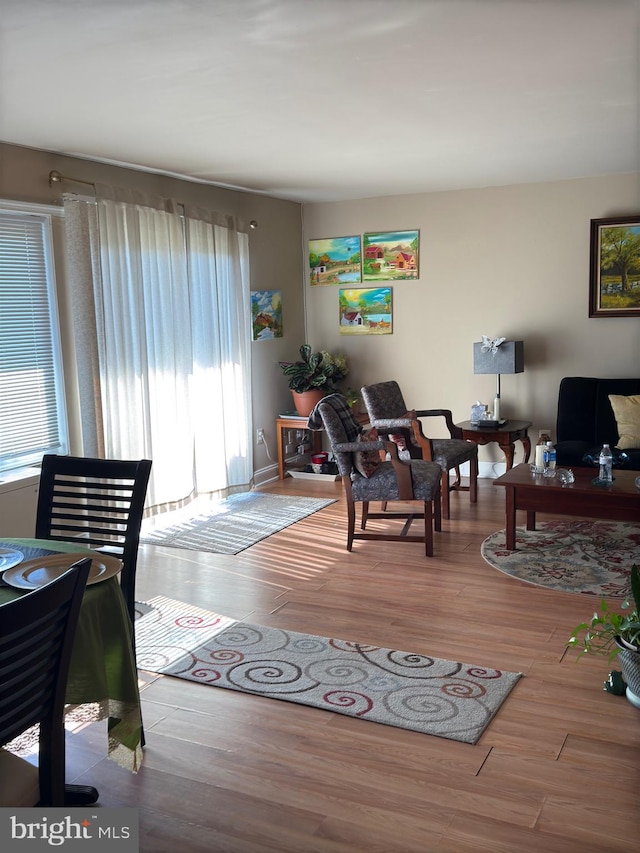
(366, 311)
(614, 280)
(390, 255)
(266, 314)
(335, 260)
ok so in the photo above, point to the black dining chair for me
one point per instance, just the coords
(36, 639)
(100, 502)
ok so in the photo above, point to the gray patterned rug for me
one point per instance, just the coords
(587, 556)
(229, 526)
(404, 689)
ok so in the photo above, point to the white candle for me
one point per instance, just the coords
(540, 456)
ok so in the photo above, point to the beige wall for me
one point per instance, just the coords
(510, 261)
(275, 247)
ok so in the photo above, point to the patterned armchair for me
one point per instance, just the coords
(389, 414)
(367, 476)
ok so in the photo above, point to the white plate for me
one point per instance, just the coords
(10, 557)
(43, 570)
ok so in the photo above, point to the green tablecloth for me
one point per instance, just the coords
(103, 669)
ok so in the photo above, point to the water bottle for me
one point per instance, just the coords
(549, 460)
(606, 465)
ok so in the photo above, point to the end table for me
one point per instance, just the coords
(505, 436)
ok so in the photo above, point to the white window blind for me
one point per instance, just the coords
(32, 409)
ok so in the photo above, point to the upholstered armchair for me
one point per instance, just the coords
(368, 476)
(389, 414)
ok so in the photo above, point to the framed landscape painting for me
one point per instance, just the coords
(366, 311)
(266, 314)
(390, 255)
(335, 260)
(614, 280)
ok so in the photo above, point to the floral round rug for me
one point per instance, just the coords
(586, 556)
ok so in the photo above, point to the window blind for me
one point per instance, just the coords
(32, 410)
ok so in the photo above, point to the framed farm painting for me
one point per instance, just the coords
(390, 255)
(366, 311)
(614, 280)
(335, 260)
(266, 314)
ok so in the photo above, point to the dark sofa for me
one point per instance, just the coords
(586, 420)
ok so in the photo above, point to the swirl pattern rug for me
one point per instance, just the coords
(412, 691)
(587, 556)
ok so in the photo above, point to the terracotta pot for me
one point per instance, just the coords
(305, 401)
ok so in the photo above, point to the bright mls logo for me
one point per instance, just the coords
(72, 829)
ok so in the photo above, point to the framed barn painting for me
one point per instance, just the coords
(390, 255)
(366, 311)
(614, 280)
(335, 260)
(266, 314)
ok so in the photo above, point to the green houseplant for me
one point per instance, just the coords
(312, 376)
(615, 636)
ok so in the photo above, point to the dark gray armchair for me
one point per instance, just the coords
(389, 414)
(367, 476)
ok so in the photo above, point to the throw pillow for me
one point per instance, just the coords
(399, 439)
(627, 415)
(366, 461)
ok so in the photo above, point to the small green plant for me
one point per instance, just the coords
(598, 637)
(314, 370)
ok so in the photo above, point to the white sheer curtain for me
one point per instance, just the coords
(172, 328)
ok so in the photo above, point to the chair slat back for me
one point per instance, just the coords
(98, 501)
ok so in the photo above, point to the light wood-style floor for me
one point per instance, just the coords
(556, 771)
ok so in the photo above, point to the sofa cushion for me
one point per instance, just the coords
(627, 415)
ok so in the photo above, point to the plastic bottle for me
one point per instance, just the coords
(549, 458)
(606, 465)
(540, 448)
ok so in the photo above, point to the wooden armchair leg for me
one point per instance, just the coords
(473, 480)
(444, 493)
(351, 523)
(428, 528)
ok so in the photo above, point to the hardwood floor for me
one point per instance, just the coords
(556, 770)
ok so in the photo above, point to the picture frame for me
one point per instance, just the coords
(391, 255)
(366, 310)
(335, 260)
(266, 314)
(614, 277)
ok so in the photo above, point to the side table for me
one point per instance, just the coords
(505, 435)
(292, 421)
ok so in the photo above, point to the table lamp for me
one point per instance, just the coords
(498, 355)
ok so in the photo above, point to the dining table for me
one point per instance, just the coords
(103, 671)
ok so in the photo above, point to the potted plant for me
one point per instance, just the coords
(313, 376)
(616, 636)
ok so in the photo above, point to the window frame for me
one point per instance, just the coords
(44, 215)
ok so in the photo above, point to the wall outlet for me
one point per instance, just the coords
(260, 435)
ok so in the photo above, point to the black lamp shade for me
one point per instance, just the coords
(509, 358)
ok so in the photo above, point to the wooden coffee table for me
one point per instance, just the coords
(535, 493)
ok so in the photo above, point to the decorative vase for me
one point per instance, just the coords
(630, 666)
(304, 401)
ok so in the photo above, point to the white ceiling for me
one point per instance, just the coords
(317, 100)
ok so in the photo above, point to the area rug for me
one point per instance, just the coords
(229, 526)
(586, 556)
(404, 689)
